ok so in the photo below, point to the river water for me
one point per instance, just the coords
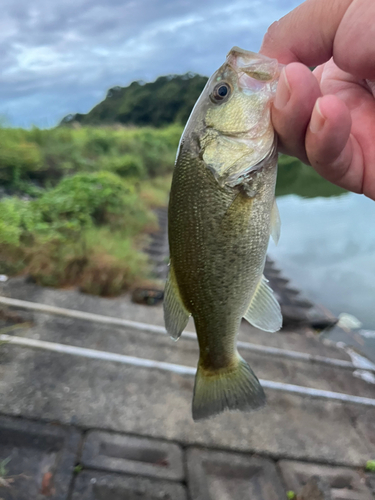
(327, 249)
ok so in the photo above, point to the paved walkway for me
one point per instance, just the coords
(77, 428)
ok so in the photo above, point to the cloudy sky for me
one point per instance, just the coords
(60, 57)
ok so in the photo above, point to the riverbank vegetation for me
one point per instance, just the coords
(76, 203)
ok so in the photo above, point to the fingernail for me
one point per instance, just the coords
(317, 118)
(283, 91)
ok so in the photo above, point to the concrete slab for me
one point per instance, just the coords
(344, 483)
(39, 459)
(162, 348)
(315, 489)
(133, 455)
(120, 307)
(301, 339)
(228, 476)
(364, 421)
(108, 396)
(97, 486)
(370, 482)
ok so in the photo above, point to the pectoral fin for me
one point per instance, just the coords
(264, 310)
(275, 223)
(176, 315)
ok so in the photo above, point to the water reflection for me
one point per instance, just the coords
(327, 247)
(296, 178)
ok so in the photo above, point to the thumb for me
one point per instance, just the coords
(307, 33)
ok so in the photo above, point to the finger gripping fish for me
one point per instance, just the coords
(222, 211)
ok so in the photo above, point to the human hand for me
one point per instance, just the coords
(327, 117)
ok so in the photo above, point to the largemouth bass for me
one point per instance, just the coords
(222, 211)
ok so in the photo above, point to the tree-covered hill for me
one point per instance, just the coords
(169, 99)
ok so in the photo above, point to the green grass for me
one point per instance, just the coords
(77, 469)
(3, 469)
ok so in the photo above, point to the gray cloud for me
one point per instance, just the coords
(60, 57)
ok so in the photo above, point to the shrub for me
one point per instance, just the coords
(82, 232)
(86, 199)
(115, 263)
(126, 165)
(18, 160)
(45, 156)
(17, 219)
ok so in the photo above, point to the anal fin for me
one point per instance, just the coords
(264, 310)
(176, 315)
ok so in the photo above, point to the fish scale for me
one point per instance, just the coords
(220, 215)
(216, 286)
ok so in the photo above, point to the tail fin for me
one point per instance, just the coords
(236, 388)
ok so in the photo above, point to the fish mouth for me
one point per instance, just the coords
(254, 70)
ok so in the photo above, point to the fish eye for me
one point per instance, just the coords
(221, 91)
